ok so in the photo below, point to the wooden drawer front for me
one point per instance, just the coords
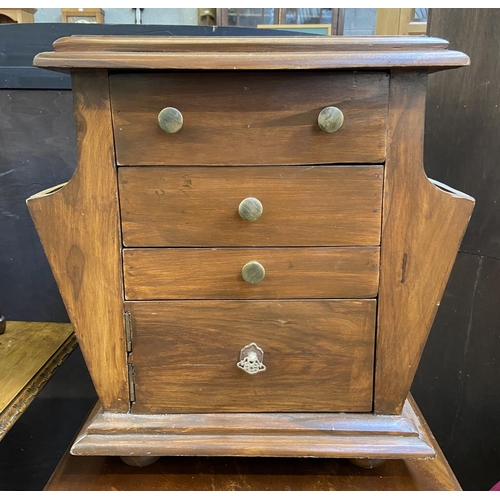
(249, 118)
(201, 273)
(318, 355)
(302, 206)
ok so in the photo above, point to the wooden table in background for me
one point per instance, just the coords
(30, 353)
(255, 474)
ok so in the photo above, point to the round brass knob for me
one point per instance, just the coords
(330, 119)
(250, 209)
(170, 120)
(253, 272)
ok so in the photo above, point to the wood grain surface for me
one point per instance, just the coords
(314, 60)
(78, 224)
(100, 473)
(245, 53)
(215, 273)
(422, 226)
(334, 435)
(104, 473)
(302, 206)
(249, 118)
(237, 44)
(30, 353)
(318, 354)
(24, 349)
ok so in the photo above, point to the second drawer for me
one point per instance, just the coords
(200, 273)
(301, 206)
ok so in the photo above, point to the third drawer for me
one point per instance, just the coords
(289, 273)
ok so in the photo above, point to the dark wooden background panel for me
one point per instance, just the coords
(462, 145)
(37, 151)
(457, 381)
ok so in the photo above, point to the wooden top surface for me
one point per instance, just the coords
(250, 474)
(94, 473)
(25, 348)
(243, 53)
(30, 353)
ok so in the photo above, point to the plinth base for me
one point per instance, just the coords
(336, 435)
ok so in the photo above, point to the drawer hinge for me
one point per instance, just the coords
(128, 330)
(130, 366)
(131, 382)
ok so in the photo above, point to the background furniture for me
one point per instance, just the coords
(82, 15)
(17, 15)
(312, 29)
(30, 354)
(401, 22)
(207, 17)
(254, 17)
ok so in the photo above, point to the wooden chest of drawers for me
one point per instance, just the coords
(250, 251)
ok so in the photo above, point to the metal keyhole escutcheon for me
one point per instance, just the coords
(251, 357)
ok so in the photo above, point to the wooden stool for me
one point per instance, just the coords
(93, 473)
(30, 353)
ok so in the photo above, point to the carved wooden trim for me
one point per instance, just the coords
(423, 223)
(78, 224)
(237, 53)
(18, 405)
(256, 434)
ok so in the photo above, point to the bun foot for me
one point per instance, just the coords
(367, 463)
(142, 461)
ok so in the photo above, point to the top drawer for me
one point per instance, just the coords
(249, 118)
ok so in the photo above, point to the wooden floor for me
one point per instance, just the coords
(255, 474)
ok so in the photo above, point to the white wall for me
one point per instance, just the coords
(360, 22)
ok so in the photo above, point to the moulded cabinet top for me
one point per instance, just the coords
(250, 53)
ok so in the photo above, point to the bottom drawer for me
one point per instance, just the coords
(318, 355)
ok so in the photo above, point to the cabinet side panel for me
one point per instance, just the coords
(78, 225)
(422, 226)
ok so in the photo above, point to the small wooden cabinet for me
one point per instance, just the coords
(250, 250)
(8, 16)
(82, 16)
